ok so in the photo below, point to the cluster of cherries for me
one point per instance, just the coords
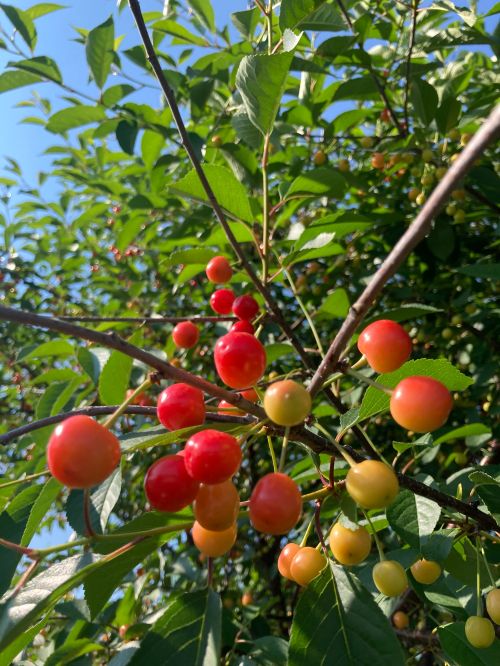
(82, 453)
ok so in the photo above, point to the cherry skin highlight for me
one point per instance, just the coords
(421, 404)
(306, 565)
(168, 486)
(285, 559)
(82, 453)
(245, 307)
(287, 403)
(219, 270)
(180, 406)
(221, 301)
(211, 456)
(372, 484)
(348, 546)
(185, 335)
(240, 359)
(275, 504)
(243, 326)
(213, 544)
(216, 507)
(385, 344)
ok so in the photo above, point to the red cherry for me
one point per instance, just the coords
(225, 407)
(250, 394)
(385, 344)
(243, 326)
(245, 307)
(82, 453)
(185, 335)
(275, 504)
(211, 456)
(240, 359)
(180, 406)
(221, 301)
(218, 270)
(168, 486)
(421, 404)
(142, 399)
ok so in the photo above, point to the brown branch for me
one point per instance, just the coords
(373, 74)
(408, 61)
(219, 213)
(148, 320)
(415, 233)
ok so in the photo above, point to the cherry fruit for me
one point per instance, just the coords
(425, 572)
(245, 307)
(287, 403)
(372, 484)
(82, 453)
(421, 404)
(320, 158)
(479, 631)
(211, 456)
(275, 504)
(221, 301)
(493, 605)
(390, 578)
(219, 270)
(306, 565)
(216, 506)
(168, 486)
(213, 544)
(400, 620)
(385, 344)
(350, 546)
(185, 335)
(180, 406)
(240, 359)
(378, 160)
(243, 326)
(285, 559)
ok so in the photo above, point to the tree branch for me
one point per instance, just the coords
(488, 133)
(201, 319)
(219, 213)
(408, 61)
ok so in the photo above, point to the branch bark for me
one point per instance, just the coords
(148, 320)
(413, 30)
(489, 132)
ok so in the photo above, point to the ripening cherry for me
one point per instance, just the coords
(400, 620)
(180, 406)
(245, 307)
(285, 559)
(372, 484)
(243, 326)
(287, 403)
(211, 456)
(350, 546)
(425, 572)
(275, 504)
(493, 605)
(142, 399)
(250, 394)
(344, 166)
(216, 507)
(82, 453)
(421, 404)
(221, 301)
(213, 544)
(225, 407)
(240, 359)
(390, 578)
(385, 344)
(168, 486)
(378, 160)
(306, 565)
(320, 158)
(185, 335)
(219, 270)
(479, 631)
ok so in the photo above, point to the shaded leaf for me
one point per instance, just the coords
(413, 518)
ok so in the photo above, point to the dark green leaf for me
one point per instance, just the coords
(318, 183)
(126, 134)
(22, 23)
(424, 99)
(413, 518)
(71, 650)
(99, 49)
(486, 271)
(461, 652)
(182, 35)
(41, 66)
(447, 114)
(102, 501)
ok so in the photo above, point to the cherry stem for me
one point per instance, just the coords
(273, 453)
(374, 448)
(25, 576)
(317, 523)
(367, 380)
(350, 461)
(305, 311)
(111, 420)
(29, 552)
(375, 536)
(361, 363)
(86, 514)
(486, 563)
(26, 478)
(479, 606)
(308, 531)
(317, 494)
(283, 449)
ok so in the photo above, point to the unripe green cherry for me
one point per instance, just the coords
(390, 578)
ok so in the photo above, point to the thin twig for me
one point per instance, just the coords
(413, 31)
(415, 233)
(148, 320)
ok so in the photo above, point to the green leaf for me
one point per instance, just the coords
(406, 312)
(39, 509)
(413, 518)
(114, 94)
(42, 9)
(71, 650)
(52, 348)
(460, 651)
(317, 15)
(188, 632)
(204, 11)
(246, 21)
(441, 240)
(479, 478)
(54, 398)
(198, 255)
(318, 183)
(424, 99)
(151, 146)
(327, 621)
(99, 49)
(182, 35)
(277, 350)
(271, 650)
(229, 192)
(126, 134)
(335, 304)
(261, 82)
(115, 378)
(360, 88)
(74, 116)
(375, 401)
(486, 271)
(447, 114)
(41, 66)
(22, 23)
(292, 12)
(462, 432)
(246, 130)
(92, 361)
(102, 501)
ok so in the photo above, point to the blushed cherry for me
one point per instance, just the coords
(216, 507)
(306, 565)
(245, 307)
(385, 344)
(168, 486)
(211, 456)
(180, 406)
(285, 559)
(287, 403)
(421, 404)
(219, 270)
(275, 504)
(221, 301)
(185, 335)
(82, 453)
(213, 544)
(240, 359)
